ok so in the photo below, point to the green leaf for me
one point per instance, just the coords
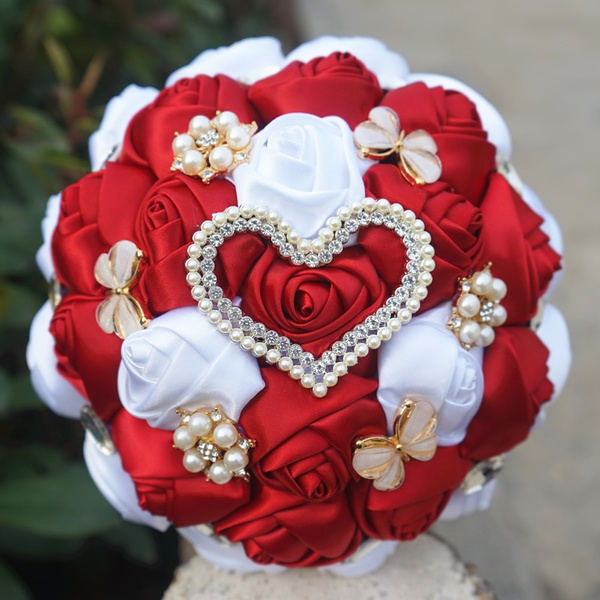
(18, 304)
(64, 504)
(134, 541)
(23, 544)
(16, 393)
(11, 588)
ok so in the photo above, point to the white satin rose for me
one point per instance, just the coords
(424, 361)
(304, 167)
(181, 361)
(43, 256)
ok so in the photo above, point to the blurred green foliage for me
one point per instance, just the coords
(60, 62)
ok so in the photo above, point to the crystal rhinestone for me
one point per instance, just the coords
(414, 254)
(409, 281)
(372, 323)
(402, 294)
(295, 351)
(339, 348)
(364, 218)
(254, 224)
(297, 258)
(209, 279)
(390, 221)
(352, 225)
(271, 337)
(312, 261)
(240, 224)
(328, 357)
(319, 367)
(384, 314)
(215, 416)
(361, 332)
(207, 265)
(325, 257)
(306, 359)
(208, 139)
(466, 286)
(410, 240)
(377, 218)
(224, 305)
(342, 236)
(207, 174)
(241, 156)
(246, 323)
(235, 314)
(176, 165)
(216, 240)
(258, 330)
(402, 229)
(267, 229)
(244, 444)
(413, 267)
(278, 238)
(394, 303)
(97, 429)
(215, 293)
(227, 230)
(335, 247)
(283, 344)
(286, 249)
(456, 322)
(209, 252)
(350, 338)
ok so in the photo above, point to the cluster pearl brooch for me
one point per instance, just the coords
(381, 136)
(212, 146)
(315, 373)
(212, 444)
(477, 309)
(117, 270)
(382, 458)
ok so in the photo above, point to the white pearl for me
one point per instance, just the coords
(273, 356)
(235, 459)
(384, 334)
(294, 237)
(326, 234)
(246, 211)
(428, 251)
(194, 251)
(486, 337)
(413, 305)
(330, 379)
(198, 292)
(192, 264)
(426, 278)
(285, 226)
(193, 278)
(183, 438)
(225, 327)
(428, 264)
(193, 462)
(468, 305)
(344, 213)
(317, 245)
(200, 237)
(340, 369)
(409, 216)
(219, 219)
(355, 207)
(499, 316)
(236, 335)
(397, 210)
(334, 223)
(424, 238)
(225, 121)
(350, 359)
(182, 143)
(383, 205)
(192, 162)
(285, 363)
(200, 424)
(238, 138)
(219, 473)
(498, 289)
(232, 212)
(273, 217)
(198, 125)
(421, 292)
(394, 324)
(247, 342)
(361, 350)
(260, 349)
(373, 342)
(481, 283)
(205, 305)
(418, 226)
(296, 372)
(369, 204)
(304, 246)
(208, 227)
(225, 435)
(214, 317)
(220, 158)
(469, 332)
(320, 390)
(405, 315)
(307, 380)
(261, 212)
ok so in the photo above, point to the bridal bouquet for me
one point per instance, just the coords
(300, 304)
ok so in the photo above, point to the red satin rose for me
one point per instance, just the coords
(282, 528)
(454, 223)
(87, 357)
(163, 485)
(408, 511)
(305, 443)
(337, 85)
(515, 386)
(150, 133)
(451, 118)
(313, 307)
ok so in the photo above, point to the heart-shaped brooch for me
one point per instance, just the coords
(322, 372)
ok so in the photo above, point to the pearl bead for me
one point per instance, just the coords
(330, 379)
(208, 227)
(238, 138)
(361, 350)
(273, 356)
(428, 264)
(499, 316)
(424, 238)
(304, 246)
(285, 363)
(182, 143)
(383, 205)
(498, 289)
(205, 305)
(334, 223)
(220, 158)
(214, 317)
(405, 315)
(246, 211)
(296, 372)
(428, 251)
(183, 438)
(192, 264)
(273, 217)
(235, 459)
(409, 216)
(285, 226)
(421, 292)
(219, 473)
(225, 121)
(344, 213)
(469, 332)
(225, 327)
(194, 251)
(418, 226)
(192, 162)
(373, 342)
(198, 292)
(236, 335)
(225, 435)
(193, 462)
(260, 349)
(394, 324)
(232, 212)
(307, 380)
(481, 283)
(294, 237)
(369, 204)
(468, 305)
(426, 278)
(198, 125)
(193, 278)
(350, 359)
(261, 212)
(320, 390)
(326, 234)
(413, 305)
(355, 206)
(219, 219)
(200, 238)
(397, 211)
(384, 334)
(340, 369)
(486, 337)
(317, 245)
(247, 342)
(200, 424)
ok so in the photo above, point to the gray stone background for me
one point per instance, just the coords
(538, 61)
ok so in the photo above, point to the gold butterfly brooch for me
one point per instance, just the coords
(381, 136)
(382, 458)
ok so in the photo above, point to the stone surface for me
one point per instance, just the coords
(425, 569)
(537, 61)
